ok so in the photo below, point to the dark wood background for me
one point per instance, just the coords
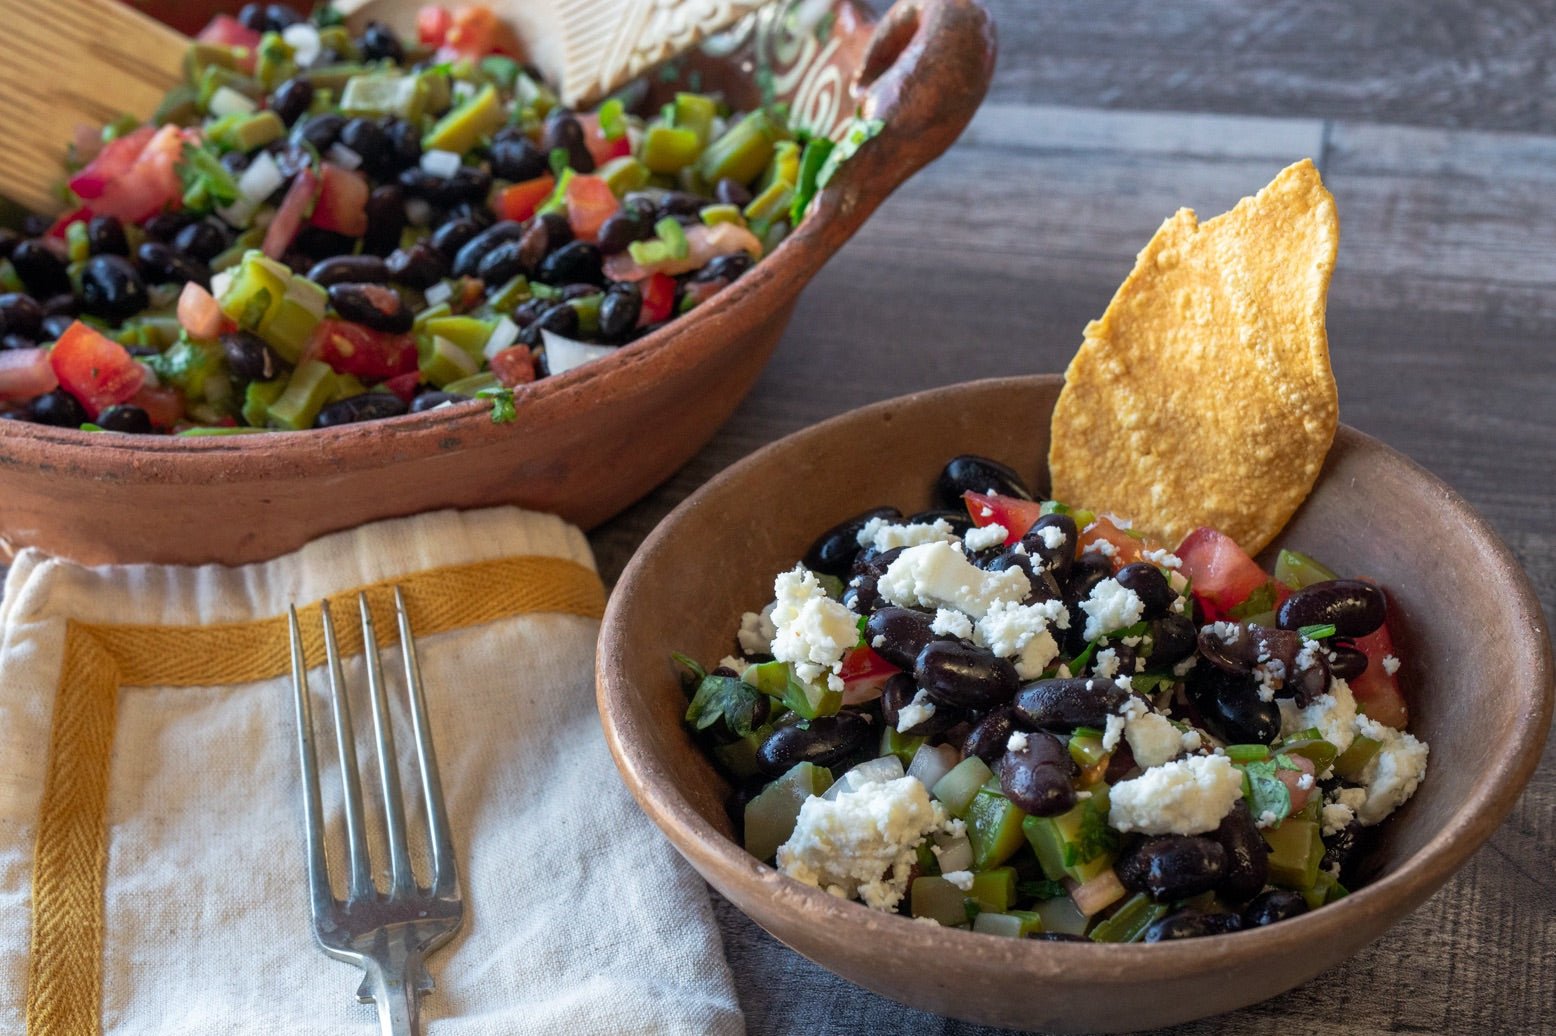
(1435, 126)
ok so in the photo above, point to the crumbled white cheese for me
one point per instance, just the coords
(1336, 815)
(862, 842)
(1017, 742)
(1184, 797)
(1393, 774)
(1102, 547)
(1152, 738)
(1271, 674)
(814, 632)
(1105, 663)
(1021, 632)
(985, 537)
(1267, 819)
(1390, 664)
(1053, 537)
(915, 712)
(730, 662)
(757, 631)
(938, 575)
(961, 879)
(1334, 714)
(1305, 781)
(1191, 741)
(1183, 667)
(1162, 558)
(1110, 606)
(883, 534)
(949, 622)
(1114, 731)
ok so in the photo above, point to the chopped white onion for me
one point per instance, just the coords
(343, 156)
(220, 282)
(260, 180)
(227, 101)
(955, 853)
(563, 354)
(237, 214)
(503, 335)
(871, 771)
(440, 163)
(304, 41)
(932, 762)
(418, 212)
(439, 292)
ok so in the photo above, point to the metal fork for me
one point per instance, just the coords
(387, 935)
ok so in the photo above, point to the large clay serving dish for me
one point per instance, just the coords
(1372, 512)
(584, 444)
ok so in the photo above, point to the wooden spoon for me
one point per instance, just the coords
(85, 62)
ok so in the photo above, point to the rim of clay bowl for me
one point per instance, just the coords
(1506, 769)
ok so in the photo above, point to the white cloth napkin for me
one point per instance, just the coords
(580, 918)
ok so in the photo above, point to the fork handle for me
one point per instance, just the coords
(395, 984)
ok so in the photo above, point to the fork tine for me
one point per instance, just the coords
(401, 879)
(445, 875)
(313, 811)
(361, 871)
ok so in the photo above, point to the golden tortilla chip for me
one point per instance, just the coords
(1204, 396)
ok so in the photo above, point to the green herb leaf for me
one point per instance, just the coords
(207, 184)
(1040, 889)
(860, 132)
(1317, 632)
(1260, 601)
(503, 410)
(1267, 793)
(1151, 684)
(723, 697)
(971, 907)
(1093, 838)
(558, 160)
(690, 663)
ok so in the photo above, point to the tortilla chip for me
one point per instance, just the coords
(1204, 395)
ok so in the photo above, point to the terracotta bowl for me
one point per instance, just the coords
(585, 444)
(1373, 512)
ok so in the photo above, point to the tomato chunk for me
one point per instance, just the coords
(353, 349)
(1377, 690)
(162, 403)
(1221, 574)
(94, 368)
(432, 23)
(658, 299)
(864, 673)
(25, 373)
(134, 176)
(289, 217)
(225, 30)
(1016, 515)
(602, 149)
(1126, 548)
(520, 201)
(590, 202)
(342, 204)
(514, 366)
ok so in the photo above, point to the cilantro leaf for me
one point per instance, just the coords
(1267, 793)
(207, 184)
(1040, 889)
(1259, 602)
(860, 132)
(503, 410)
(1093, 838)
(723, 697)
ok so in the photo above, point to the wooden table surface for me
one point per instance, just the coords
(1435, 127)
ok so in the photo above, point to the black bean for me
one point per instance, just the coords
(834, 551)
(502, 263)
(898, 692)
(1231, 708)
(36, 224)
(899, 634)
(369, 406)
(1150, 586)
(1190, 924)
(468, 259)
(280, 17)
(9, 239)
(235, 162)
(1086, 571)
(8, 342)
(368, 139)
(54, 326)
(1064, 703)
(824, 741)
(620, 229)
(342, 269)
(42, 271)
(619, 312)
(249, 358)
(372, 305)
(971, 473)
(1169, 867)
(319, 131)
(1247, 855)
(861, 595)
(292, 99)
(729, 267)
(1353, 607)
(105, 236)
(578, 262)
(160, 264)
(679, 204)
(125, 417)
(58, 408)
(563, 130)
(732, 192)
(1173, 638)
(1059, 557)
(957, 519)
(1229, 646)
(1307, 680)
(515, 158)
(559, 318)
(202, 239)
(1341, 848)
(252, 16)
(404, 142)
(1272, 906)
(112, 288)
(1348, 662)
(1036, 777)
(420, 266)
(453, 235)
(469, 184)
(380, 43)
(435, 398)
(963, 674)
(989, 736)
(385, 220)
(20, 314)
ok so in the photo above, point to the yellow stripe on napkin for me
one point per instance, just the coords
(65, 965)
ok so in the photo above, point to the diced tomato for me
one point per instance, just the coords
(520, 201)
(289, 217)
(199, 313)
(404, 385)
(514, 366)
(25, 373)
(1293, 780)
(1221, 574)
(353, 349)
(342, 204)
(474, 31)
(602, 149)
(134, 176)
(227, 31)
(94, 368)
(658, 299)
(1126, 548)
(590, 202)
(1376, 690)
(864, 673)
(703, 244)
(1015, 514)
(432, 24)
(162, 403)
